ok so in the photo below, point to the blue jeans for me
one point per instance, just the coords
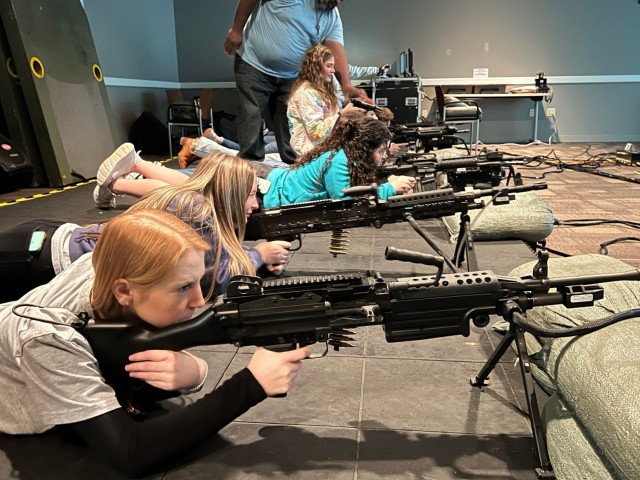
(269, 147)
(262, 97)
(263, 169)
(270, 144)
(230, 144)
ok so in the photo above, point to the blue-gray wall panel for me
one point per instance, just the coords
(135, 39)
(181, 42)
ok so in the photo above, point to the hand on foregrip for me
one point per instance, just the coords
(402, 184)
(395, 148)
(350, 107)
(275, 269)
(275, 371)
(166, 369)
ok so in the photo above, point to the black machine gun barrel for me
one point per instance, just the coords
(364, 208)
(307, 310)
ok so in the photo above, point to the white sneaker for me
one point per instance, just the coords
(118, 164)
(211, 134)
(103, 197)
(263, 185)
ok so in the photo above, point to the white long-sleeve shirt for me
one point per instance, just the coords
(355, 73)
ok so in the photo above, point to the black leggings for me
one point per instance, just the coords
(20, 269)
(142, 448)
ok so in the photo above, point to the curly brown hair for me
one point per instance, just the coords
(384, 114)
(358, 136)
(311, 73)
(324, 5)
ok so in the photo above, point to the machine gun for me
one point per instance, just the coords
(484, 171)
(424, 137)
(288, 312)
(369, 107)
(364, 208)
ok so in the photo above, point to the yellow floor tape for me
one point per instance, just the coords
(58, 190)
(47, 194)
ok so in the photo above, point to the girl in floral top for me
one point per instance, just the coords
(313, 105)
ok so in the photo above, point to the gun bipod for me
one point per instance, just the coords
(544, 468)
(420, 231)
(464, 245)
(465, 248)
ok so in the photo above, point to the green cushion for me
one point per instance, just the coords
(619, 296)
(571, 451)
(448, 153)
(526, 218)
(598, 379)
(596, 376)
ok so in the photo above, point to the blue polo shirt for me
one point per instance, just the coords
(279, 32)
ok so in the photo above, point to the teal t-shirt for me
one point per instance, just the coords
(305, 184)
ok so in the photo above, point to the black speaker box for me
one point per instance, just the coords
(401, 95)
(16, 170)
(149, 135)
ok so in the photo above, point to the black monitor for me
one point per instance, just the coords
(410, 72)
(402, 64)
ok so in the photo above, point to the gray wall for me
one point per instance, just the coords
(135, 39)
(569, 37)
(587, 49)
(202, 28)
(136, 42)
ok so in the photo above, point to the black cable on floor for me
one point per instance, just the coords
(590, 222)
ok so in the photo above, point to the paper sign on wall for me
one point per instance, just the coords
(482, 72)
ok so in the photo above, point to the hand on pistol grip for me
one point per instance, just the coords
(275, 367)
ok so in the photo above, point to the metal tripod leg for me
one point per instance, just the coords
(420, 231)
(503, 346)
(465, 248)
(544, 468)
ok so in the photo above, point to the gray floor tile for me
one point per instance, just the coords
(253, 451)
(325, 262)
(502, 256)
(400, 455)
(327, 392)
(436, 397)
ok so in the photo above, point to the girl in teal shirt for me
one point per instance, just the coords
(348, 157)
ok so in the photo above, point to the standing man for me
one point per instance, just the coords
(269, 39)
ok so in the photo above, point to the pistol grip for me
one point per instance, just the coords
(285, 347)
